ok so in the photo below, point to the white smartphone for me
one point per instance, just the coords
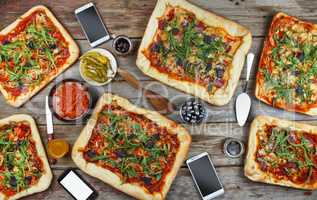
(76, 186)
(92, 25)
(205, 176)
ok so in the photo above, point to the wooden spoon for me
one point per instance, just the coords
(158, 102)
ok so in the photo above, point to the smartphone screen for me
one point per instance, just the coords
(76, 186)
(205, 175)
(92, 24)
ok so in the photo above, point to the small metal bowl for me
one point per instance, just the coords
(127, 39)
(188, 103)
(233, 148)
(79, 118)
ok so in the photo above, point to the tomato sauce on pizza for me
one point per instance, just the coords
(287, 154)
(20, 165)
(287, 75)
(31, 53)
(187, 49)
(132, 146)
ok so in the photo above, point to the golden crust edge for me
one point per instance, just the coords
(73, 49)
(111, 178)
(251, 169)
(46, 179)
(222, 96)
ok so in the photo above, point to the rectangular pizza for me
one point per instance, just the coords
(135, 150)
(287, 72)
(33, 50)
(24, 168)
(194, 50)
(282, 152)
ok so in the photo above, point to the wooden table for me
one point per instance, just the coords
(130, 17)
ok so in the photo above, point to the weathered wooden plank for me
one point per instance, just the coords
(236, 186)
(226, 113)
(208, 137)
(130, 16)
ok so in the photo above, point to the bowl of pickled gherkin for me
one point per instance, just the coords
(98, 66)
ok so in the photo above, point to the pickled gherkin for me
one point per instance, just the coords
(95, 66)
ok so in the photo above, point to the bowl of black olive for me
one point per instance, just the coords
(192, 111)
(122, 45)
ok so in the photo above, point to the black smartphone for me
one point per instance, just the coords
(76, 186)
(205, 176)
(92, 25)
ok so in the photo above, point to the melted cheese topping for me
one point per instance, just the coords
(287, 154)
(20, 165)
(132, 146)
(30, 53)
(288, 67)
(187, 49)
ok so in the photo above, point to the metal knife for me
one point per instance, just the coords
(49, 125)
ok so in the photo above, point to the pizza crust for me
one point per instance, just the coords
(259, 91)
(45, 180)
(223, 95)
(251, 168)
(111, 178)
(73, 50)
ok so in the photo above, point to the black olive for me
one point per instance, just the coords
(13, 181)
(220, 72)
(18, 144)
(30, 45)
(122, 45)
(156, 137)
(193, 112)
(28, 179)
(208, 67)
(146, 180)
(300, 56)
(175, 31)
(179, 62)
(116, 136)
(121, 154)
(9, 164)
(209, 39)
(4, 42)
(157, 47)
(149, 144)
(295, 73)
(91, 154)
(131, 136)
(299, 90)
(52, 46)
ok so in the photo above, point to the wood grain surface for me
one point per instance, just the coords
(129, 17)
